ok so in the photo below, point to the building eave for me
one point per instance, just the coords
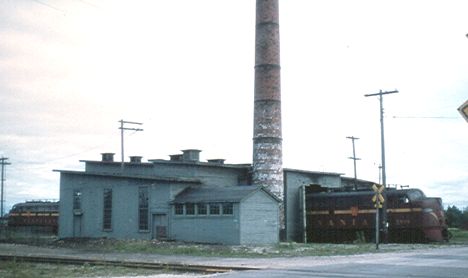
(312, 172)
(126, 176)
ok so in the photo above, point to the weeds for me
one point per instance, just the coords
(284, 249)
(35, 270)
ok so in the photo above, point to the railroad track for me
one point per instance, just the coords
(129, 264)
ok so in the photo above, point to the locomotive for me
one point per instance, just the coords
(35, 214)
(347, 216)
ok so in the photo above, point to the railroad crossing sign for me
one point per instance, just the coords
(463, 109)
(378, 199)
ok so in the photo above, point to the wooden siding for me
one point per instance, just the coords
(259, 219)
(222, 229)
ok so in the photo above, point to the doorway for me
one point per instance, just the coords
(77, 226)
(160, 226)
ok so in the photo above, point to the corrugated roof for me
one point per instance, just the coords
(217, 194)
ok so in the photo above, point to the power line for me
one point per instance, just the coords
(423, 117)
(88, 3)
(49, 6)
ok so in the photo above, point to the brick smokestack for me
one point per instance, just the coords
(267, 140)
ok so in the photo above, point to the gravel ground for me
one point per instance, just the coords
(271, 263)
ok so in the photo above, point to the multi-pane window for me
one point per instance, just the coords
(107, 215)
(190, 209)
(143, 208)
(227, 208)
(201, 209)
(179, 209)
(204, 209)
(214, 209)
(76, 199)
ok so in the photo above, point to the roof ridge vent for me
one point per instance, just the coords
(191, 155)
(175, 157)
(218, 161)
(135, 159)
(107, 157)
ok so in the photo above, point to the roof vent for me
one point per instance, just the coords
(216, 161)
(135, 159)
(176, 157)
(107, 157)
(191, 155)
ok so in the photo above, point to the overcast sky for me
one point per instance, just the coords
(71, 69)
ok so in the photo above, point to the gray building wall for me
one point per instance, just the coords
(259, 219)
(294, 179)
(223, 229)
(255, 220)
(125, 194)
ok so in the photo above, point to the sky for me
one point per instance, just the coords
(71, 69)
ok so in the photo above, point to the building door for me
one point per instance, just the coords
(77, 226)
(159, 226)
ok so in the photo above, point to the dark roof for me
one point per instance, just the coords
(142, 177)
(233, 194)
(312, 172)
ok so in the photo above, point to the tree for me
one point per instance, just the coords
(464, 222)
(454, 216)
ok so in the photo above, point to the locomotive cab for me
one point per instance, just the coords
(413, 217)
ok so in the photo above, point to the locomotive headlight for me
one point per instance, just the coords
(428, 210)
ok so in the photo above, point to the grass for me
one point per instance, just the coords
(459, 236)
(36, 270)
(285, 249)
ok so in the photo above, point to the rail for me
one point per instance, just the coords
(130, 264)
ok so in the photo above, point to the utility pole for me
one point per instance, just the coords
(382, 139)
(382, 145)
(354, 158)
(380, 174)
(3, 163)
(122, 129)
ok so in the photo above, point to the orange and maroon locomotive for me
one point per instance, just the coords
(347, 216)
(35, 214)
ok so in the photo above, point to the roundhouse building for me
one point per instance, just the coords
(182, 199)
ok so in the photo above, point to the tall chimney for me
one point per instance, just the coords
(267, 141)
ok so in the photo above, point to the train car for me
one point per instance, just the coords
(35, 214)
(349, 216)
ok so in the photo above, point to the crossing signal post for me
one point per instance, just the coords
(378, 200)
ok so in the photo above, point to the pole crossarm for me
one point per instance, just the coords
(122, 129)
(382, 93)
(126, 128)
(128, 122)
